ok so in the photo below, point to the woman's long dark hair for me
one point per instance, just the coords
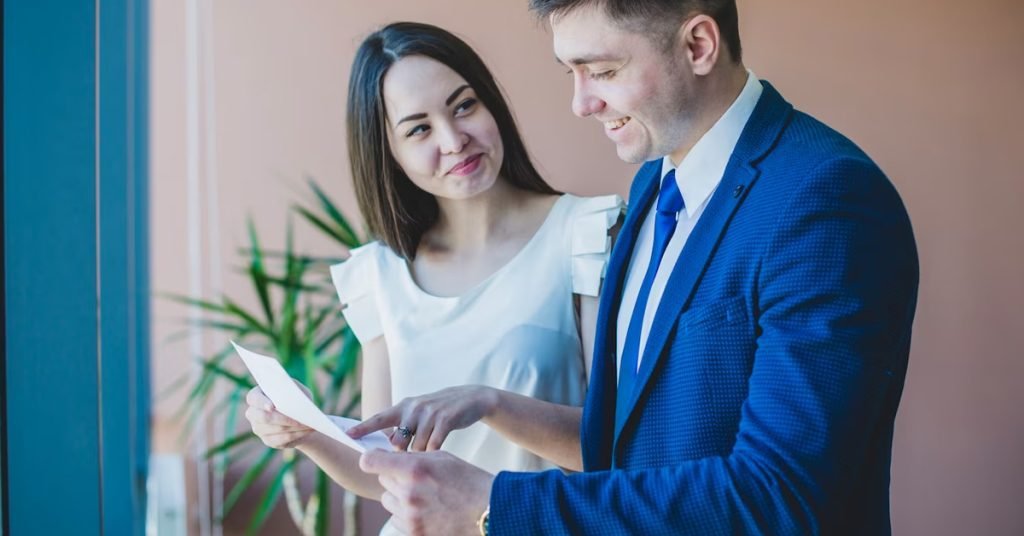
(396, 211)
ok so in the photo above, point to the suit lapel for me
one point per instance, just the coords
(599, 410)
(759, 135)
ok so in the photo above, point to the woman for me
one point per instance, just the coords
(484, 279)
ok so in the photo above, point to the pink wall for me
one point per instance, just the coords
(930, 88)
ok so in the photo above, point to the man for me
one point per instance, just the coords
(755, 322)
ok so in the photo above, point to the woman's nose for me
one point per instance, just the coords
(452, 138)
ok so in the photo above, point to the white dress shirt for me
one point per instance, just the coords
(698, 175)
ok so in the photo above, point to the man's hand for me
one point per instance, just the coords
(430, 493)
(427, 420)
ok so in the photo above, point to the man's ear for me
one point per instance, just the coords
(702, 42)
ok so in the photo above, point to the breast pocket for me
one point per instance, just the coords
(713, 315)
(714, 350)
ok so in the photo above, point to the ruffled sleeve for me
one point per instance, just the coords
(591, 245)
(356, 283)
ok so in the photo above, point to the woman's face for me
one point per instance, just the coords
(444, 138)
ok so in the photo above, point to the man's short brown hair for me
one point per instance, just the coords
(660, 18)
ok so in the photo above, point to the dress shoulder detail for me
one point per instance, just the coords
(591, 245)
(355, 280)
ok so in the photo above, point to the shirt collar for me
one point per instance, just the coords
(702, 169)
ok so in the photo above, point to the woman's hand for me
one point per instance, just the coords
(274, 428)
(422, 423)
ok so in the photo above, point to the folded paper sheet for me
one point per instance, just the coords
(288, 399)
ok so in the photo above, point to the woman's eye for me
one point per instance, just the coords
(603, 75)
(465, 106)
(416, 130)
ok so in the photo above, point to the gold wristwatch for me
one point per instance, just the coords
(484, 522)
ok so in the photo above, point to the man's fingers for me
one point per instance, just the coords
(379, 462)
(400, 524)
(389, 502)
(392, 484)
(375, 462)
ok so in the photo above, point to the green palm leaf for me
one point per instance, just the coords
(299, 321)
(247, 479)
(229, 444)
(323, 513)
(258, 274)
(335, 215)
(269, 498)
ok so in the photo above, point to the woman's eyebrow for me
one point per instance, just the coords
(413, 117)
(455, 94)
(448, 102)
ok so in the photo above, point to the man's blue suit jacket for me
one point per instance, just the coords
(775, 363)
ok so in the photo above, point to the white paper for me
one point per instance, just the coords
(288, 399)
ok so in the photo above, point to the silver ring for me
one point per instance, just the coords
(405, 432)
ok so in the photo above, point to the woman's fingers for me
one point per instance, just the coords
(401, 437)
(257, 399)
(423, 423)
(422, 433)
(282, 440)
(437, 437)
(274, 418)
(274, 428)
(385, 419)
(277, 436)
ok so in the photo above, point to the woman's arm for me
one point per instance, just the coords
(588, 329)
(548, 430)
(338, 461)
(342, 463)
(551, 431)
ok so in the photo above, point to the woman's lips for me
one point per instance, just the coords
(467, 166)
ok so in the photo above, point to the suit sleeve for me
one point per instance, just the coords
(836, 290)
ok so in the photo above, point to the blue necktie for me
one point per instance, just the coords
(670, 202)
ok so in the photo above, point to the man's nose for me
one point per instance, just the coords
(584, 102)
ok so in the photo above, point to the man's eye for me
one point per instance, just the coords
(603, 75)
(416, 130)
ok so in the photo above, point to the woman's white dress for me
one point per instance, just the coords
(517, 330)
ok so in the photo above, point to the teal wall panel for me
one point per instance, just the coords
(75, 277)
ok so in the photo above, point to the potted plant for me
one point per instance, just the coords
(299, 321)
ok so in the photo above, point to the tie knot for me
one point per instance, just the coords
(669, 198)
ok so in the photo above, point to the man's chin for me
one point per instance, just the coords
(632, 155)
